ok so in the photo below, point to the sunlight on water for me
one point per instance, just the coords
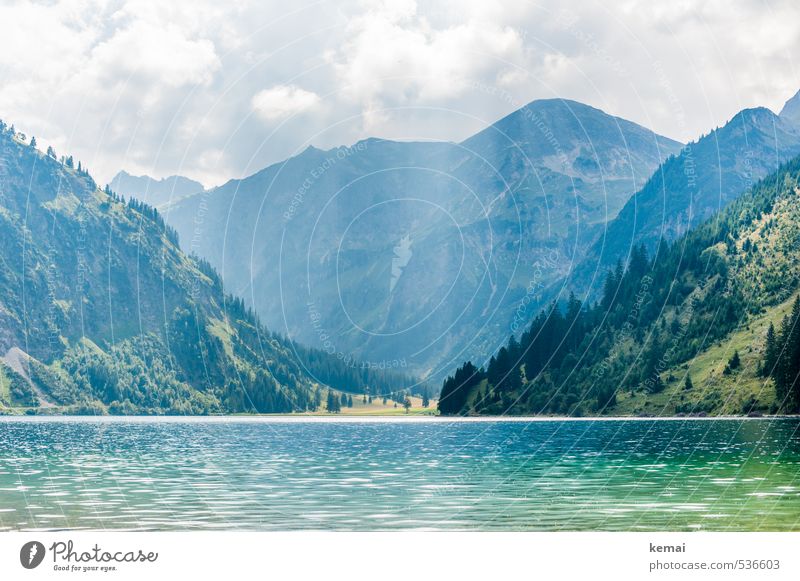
(292, 474)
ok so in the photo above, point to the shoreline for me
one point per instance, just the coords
(354, 419)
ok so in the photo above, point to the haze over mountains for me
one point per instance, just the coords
(690, 330)
(419, 254)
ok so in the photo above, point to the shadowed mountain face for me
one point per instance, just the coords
(152, 191)
(692, 186)
(416, 255)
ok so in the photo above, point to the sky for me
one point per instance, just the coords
(217, 90)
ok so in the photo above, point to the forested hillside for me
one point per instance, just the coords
(707, 325)
(101, 312)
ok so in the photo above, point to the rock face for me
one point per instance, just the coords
(421, 252)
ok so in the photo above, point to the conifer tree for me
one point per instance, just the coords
(771, 352)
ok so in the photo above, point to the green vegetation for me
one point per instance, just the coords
(675, 334)
(15, 391)
(782, 359)
(115, 318)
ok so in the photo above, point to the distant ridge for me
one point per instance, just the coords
(153, 191)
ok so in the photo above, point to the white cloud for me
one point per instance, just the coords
(395, 56)
(161, 54)
(282, 101)
(172, 87)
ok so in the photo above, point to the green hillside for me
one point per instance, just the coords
(699, 309)
(101, 312)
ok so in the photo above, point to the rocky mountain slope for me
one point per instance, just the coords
(415, 255)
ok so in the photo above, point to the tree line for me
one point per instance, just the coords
(656, 310)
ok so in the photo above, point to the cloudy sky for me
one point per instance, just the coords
(215, 90)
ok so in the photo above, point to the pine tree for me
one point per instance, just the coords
(657, 384)
(687, 385)
(788, 367)
(513, 381)
(771, 352)
(650, 372)
(457, 387)
(734, 361)
(639, 263)
(332, 404)
(609, 289)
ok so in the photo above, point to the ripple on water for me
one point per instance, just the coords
(715, 475)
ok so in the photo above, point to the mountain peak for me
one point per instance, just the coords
(756, 115)
(791, 110)
(559, 102)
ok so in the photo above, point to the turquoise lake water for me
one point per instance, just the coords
(432, 474)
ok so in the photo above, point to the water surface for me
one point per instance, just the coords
(741, 474)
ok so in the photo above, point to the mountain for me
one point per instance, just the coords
(558, 146)
(791, 110)
(690, 187)
(101, 312)
(411, 255)
(709, 325)
(154, 192)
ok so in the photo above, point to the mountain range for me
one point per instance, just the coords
(352, 270)
(420, 254)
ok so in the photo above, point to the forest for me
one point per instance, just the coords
(102, 312)
(656, 311)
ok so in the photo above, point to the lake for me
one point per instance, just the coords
(409, 474)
